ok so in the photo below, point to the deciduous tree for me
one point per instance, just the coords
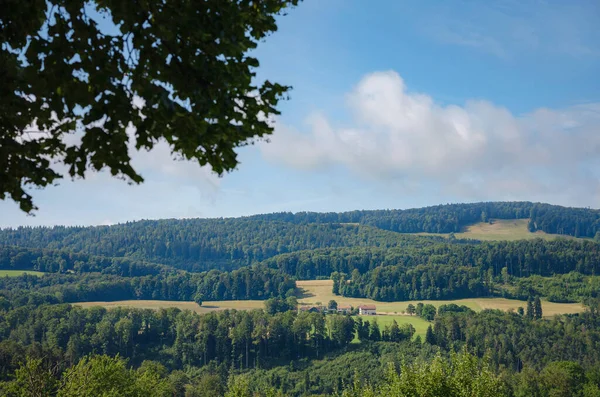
(85, 83)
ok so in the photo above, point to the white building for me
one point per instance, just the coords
(367, 310)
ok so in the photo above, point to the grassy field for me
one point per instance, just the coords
(500, 229)
(16, 273)
(313, 291)
(193, 306)
(417, 322)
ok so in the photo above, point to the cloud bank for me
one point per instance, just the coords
(477, 150)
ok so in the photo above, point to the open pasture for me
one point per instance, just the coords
(16, 273)
(313, 291)
(500, 230)
(185, 305)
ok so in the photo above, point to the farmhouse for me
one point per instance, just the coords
(367, 310)
(343, 309)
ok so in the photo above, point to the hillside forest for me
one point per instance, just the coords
(51, 346)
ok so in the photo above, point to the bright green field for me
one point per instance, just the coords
(16, 273)
(500, 229)
(417, 322)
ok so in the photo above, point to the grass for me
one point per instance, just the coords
(16, 273)
(500, 229)
(185, 305)
(313, 291)
(417, 322)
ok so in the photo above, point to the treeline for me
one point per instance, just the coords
(514, 341)
(443, 270)
(203, 244)
(521, 258)
(578, 222)
(57, 261)
(452, 218)
(236, 339)
(255, 282)
(447, 218)
(242, 353)
(200, 244)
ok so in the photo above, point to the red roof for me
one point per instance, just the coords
(367, 307)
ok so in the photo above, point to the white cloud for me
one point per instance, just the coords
(478, 150)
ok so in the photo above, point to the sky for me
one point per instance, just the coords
(395, 104)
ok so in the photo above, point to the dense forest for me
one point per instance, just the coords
(200, 244)
(46, 344)
(578, 222)
(175, 352)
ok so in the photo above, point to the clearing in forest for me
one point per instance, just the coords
(314, 291)
(500, 229)
(319, 291)
(183, 305)
(16, 273)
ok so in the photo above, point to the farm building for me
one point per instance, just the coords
(344, 309)
(367, 310)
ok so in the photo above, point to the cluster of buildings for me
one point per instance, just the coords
(363, 310)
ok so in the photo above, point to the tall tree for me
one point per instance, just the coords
(530, 312)
(429, 337)
(537, 308)
(174, 71)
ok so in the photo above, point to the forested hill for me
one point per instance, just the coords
(449, 218)
(204, 244)
(261, 236)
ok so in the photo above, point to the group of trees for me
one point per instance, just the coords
(452, 218)
(193, 244)
(225, 244)
(237, 339)
(177, 353)
(451, 271)
(255, 282)
(384, 266)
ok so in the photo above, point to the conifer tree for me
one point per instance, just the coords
(530, 311)
(429, 337)
(537, 308)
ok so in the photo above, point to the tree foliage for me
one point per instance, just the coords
(82, 73)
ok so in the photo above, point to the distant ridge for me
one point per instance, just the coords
(444, 218)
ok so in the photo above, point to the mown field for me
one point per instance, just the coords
(16, 273)
(193, 306)
(417, 322)
(313, 291)
(500, 229)
(319, 291)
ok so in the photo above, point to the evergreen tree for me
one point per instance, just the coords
(375, 332)
(395, 332)
(429, 337)
(537, 308)
(530, 311)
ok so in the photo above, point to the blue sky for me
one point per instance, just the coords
(395, 104)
